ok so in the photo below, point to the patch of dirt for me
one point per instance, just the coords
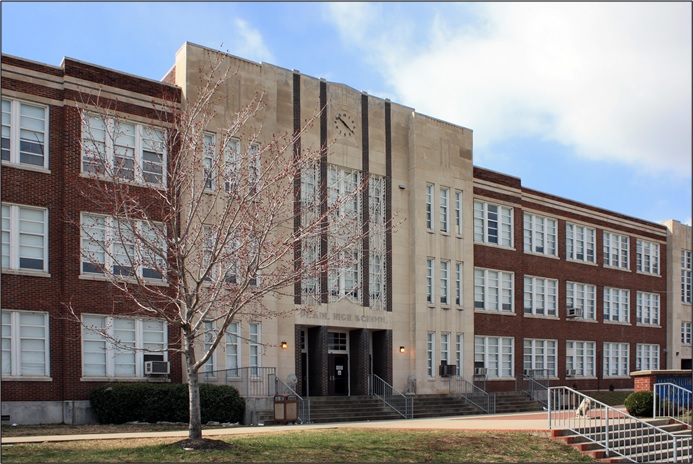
(202, 444)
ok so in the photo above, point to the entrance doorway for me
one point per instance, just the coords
(338, 375)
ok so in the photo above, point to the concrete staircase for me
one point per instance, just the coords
(442, 405)
(651, 448)
(349, 409)
(509, 402)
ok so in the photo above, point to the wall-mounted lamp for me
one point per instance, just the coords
(401, 349)
(284, 345)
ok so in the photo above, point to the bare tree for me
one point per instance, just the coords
(199, 232)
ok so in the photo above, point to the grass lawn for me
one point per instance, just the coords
(353, 445)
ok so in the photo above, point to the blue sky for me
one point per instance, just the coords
(587, 101)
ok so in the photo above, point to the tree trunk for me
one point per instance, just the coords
(195, 424)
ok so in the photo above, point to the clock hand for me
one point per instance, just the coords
(346, 125)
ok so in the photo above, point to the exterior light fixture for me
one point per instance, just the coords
(401, 349)
(284, 345)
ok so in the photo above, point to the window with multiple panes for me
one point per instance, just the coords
(493, 224)
(122, 149)
(430, 359)
(209, 147)
(233, 348)
(24, 133)
(458, 284)
(24, 238)
(445, 282)
(540, 355)
(377, 241)
(616, 360)
(646, 357)
(493, 290)
(581, 358)
(541, 296)
(497, 355)
(430, 263)
(582, 297)
(458, 212)
(444, 209)
(616, 304)
(429, 206)
(25, 344)
(210, 332)
(647, 256)
(118, 346)
(459, 344)
(540, 234)
(616, 250)
(255, 347)
(647, 308)
(580, 243)
(445, 347)
(112, 247)
(686, 276)
(686, 332)
(232, 165)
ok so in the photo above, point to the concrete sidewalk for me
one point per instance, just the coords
(536, 423)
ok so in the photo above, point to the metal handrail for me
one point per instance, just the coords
(251, 382)
(535, 388)
(617, 432)
(402, 404)
(473, 394)
(673, 402)
(282, 388)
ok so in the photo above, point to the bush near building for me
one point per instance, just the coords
(640, 404)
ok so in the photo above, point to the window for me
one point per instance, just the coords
(647, 257)
(686, 276)
(445, 348)
(126, 150)
(582, 297)
(459, 339)
(210, 332)
(580, 357)
(337, 341)
(209, 156)
(430, 361)
(686, 330)
(110, 247)
(647, 308)
(580, 243)
(616, 304)
(376, 238)
(616, 360)
(493, 290)
(429, 206)
(233, 349)
(497, 354)
(458, 212)
(429, 280)
(232, 168)
(444, 209)
(24, 133)
(458, 284)
(345, 280)
(540, 355)
(646, 357)
(25, 344)
(541, 296)
(255, 347)
(117, 347)
(24, 238)
(616, 250)
(254, 168)
(445, 282)
(493, 224)
(540, 234)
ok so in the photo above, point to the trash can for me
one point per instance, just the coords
(285, 408)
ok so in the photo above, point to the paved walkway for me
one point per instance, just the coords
(518, 422)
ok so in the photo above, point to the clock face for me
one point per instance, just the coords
(344, 124)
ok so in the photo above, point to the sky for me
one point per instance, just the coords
(587, 101)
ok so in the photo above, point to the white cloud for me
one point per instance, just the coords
(610, 80)
(249, 43)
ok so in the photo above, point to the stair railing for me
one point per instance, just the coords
(673, 402)
(251, 382)
(472, 394)
(617, 432)
(402, 404)
(303, 410)
(536, 383)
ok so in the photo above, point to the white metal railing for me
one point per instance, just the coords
(402, 404)
(473, 394)
(617, 432)
(251, 382)
(536, 383)
(673, 402)
(282, 388)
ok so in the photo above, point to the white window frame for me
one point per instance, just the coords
(647, 257)
(430, 279)
(255, 348)
(484, 219)
(541, 354)
(17, 341)
(581, 356)
(445, 347)
(445, 283)
(233, 345)
(584, 297)
(12, 130)
(580, 243)
(444, 205)
(617, 305)
(430, 189)
(13, 235)
(541, 296)
(499, 363)
(540, 234)
(146, 138)
(458, 212)
(430, 354)
(110, 350)
(647, 308)
(686, 276)
(210, 331)
(616, 360)
(686, 332)
(232, 165)
(646, 357)
(616, 250)
(459, 348)
(209, 158)
(459, 301)
(499, 298)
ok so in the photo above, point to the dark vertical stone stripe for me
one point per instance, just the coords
(388, 204)
(365, 209)
(324, 293)
(297, 181)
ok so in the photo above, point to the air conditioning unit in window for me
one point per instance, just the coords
(572, 313)
(447, 370)
(156, 367)
(528, 372)
(480, 371)
(570, 373)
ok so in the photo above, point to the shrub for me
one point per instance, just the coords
(640, 404)
(150, 402)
